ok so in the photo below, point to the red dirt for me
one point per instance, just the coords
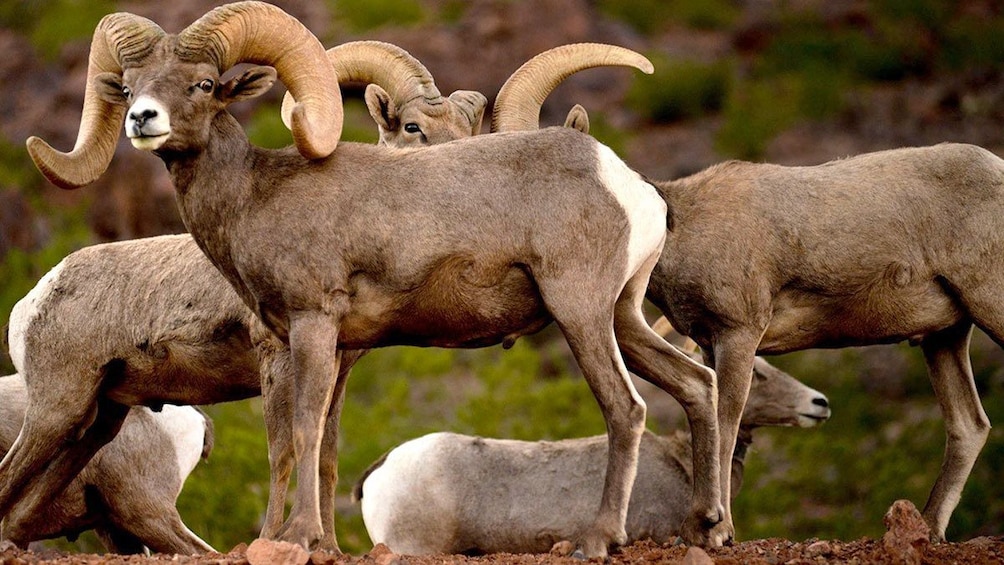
(771, 551)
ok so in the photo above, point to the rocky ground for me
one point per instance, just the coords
(904, 543)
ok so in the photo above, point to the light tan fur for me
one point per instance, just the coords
(463, 244)
(448, 493)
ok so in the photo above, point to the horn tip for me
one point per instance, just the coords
(42, 154)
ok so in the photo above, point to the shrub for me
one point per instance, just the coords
(365, 15)
(680, 90)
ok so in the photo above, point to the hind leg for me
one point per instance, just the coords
(966, 424)
(52, 422)
(693, 385)
(64, 467)
(587, 324)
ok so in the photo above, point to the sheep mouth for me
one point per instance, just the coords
(810, 420)
(148, 142)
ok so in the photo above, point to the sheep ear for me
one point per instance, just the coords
(381, 107)
(254, 82)
(577, 118)
(109, 87)
(472, 103)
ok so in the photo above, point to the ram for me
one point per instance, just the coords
(181, 334)
(899, 245)
(413, 112)
(464, 244)
(127, 493)
(451, 493)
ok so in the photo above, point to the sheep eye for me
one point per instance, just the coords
(206, 85)
(412, 127)
(126, 91)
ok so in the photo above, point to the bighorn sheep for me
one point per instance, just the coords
(451, 493)
(201, 320)
(182, 333)
(464, 244)
(858, 251)
(127, 493)
(413, 112)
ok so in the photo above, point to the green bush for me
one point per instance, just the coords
(57, 22)
(653, 16)
(366, 15)
(680, 90)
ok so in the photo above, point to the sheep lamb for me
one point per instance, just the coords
(449, 493)
(127, 492)
(469, 243)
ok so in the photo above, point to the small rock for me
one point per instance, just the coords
(270, 552)
(819, 549)
(907, 535)
(239, 549)
(382, 555)
(320, 557)
(563, 548)
(7, 545)
(697, 556)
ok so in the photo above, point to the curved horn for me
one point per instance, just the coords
(385, 64)
(517, 106)
(665, 329)
(260, 33)
(119, 39)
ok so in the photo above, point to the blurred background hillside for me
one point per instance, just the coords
(798, 82)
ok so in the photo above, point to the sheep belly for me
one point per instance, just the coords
(474, 305)
(875, 314)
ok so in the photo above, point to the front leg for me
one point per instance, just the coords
(313, 340)
(329, 450)
(733, 354)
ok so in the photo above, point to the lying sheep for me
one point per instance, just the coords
(127, 492)
(351, 246)
(450, 493)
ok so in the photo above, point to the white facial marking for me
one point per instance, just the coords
(147, 124)
(187, 429)
(25, 312)
(645, 209)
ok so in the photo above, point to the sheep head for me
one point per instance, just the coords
(402, 97)
(517, 106)
(134, 66)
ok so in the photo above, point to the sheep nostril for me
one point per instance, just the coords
(821, 401)
(143, 116)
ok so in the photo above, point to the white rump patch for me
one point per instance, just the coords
(186, 428)
(385, 493)
(25, 312)
(645, 209)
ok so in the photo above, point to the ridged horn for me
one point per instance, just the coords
(665, 330)
(260, 33)
(119, 39)
(381, 63)
(517, 106)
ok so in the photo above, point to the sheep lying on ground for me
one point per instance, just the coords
(450, 493)
(904, 244)
(462, 244)
(127, 492)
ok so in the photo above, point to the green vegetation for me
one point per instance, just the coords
(680, 90)
(366, 15)
(654, 16)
